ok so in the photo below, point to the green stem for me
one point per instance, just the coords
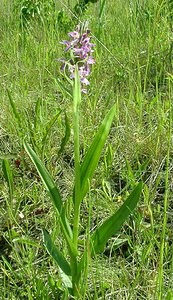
(76, 102)
(77, 178)
(77, 187)
(75, 279)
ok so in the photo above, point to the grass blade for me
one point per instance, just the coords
(37, 114)
(113, 224)
(8, 175)
(56, 254)
(48, 128)
(93, 155)
(65, 91)
(66, 137)
(15, 112)
(102, 8)
(19, 122)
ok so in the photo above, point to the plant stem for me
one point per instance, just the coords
(76, 102)
(77, 179)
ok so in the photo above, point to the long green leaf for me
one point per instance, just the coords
(54, 194)
(46, 178)
(56, 254)
(93, 155)
(113, 224)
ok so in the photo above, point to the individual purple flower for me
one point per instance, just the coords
(81, 52)
(91, 60)
(74, 34)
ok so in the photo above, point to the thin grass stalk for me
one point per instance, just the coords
(164, 226)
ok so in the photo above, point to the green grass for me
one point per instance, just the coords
(133, 71)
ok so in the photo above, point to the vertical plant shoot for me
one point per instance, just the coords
(77, 69)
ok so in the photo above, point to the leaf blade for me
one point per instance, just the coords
(45, 177)
(113, 224)
(56, 254)
(55, 196)
(93, 155)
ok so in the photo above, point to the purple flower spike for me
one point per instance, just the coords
(82, 50)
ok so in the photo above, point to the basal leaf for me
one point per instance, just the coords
(66, 281)
(113, 224)
(55, 196)
(56, 254)
(46, 178)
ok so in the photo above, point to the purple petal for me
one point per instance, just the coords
(84, 71)
(77, 51)
(74, 34)
(87, 70)
(86, 40)
(68, 44)
(84, 81)
(91, 60)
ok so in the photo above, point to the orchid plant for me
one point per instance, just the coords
(73, 267)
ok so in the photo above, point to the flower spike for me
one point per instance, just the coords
(81, 50)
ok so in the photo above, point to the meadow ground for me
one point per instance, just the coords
(133, 70)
